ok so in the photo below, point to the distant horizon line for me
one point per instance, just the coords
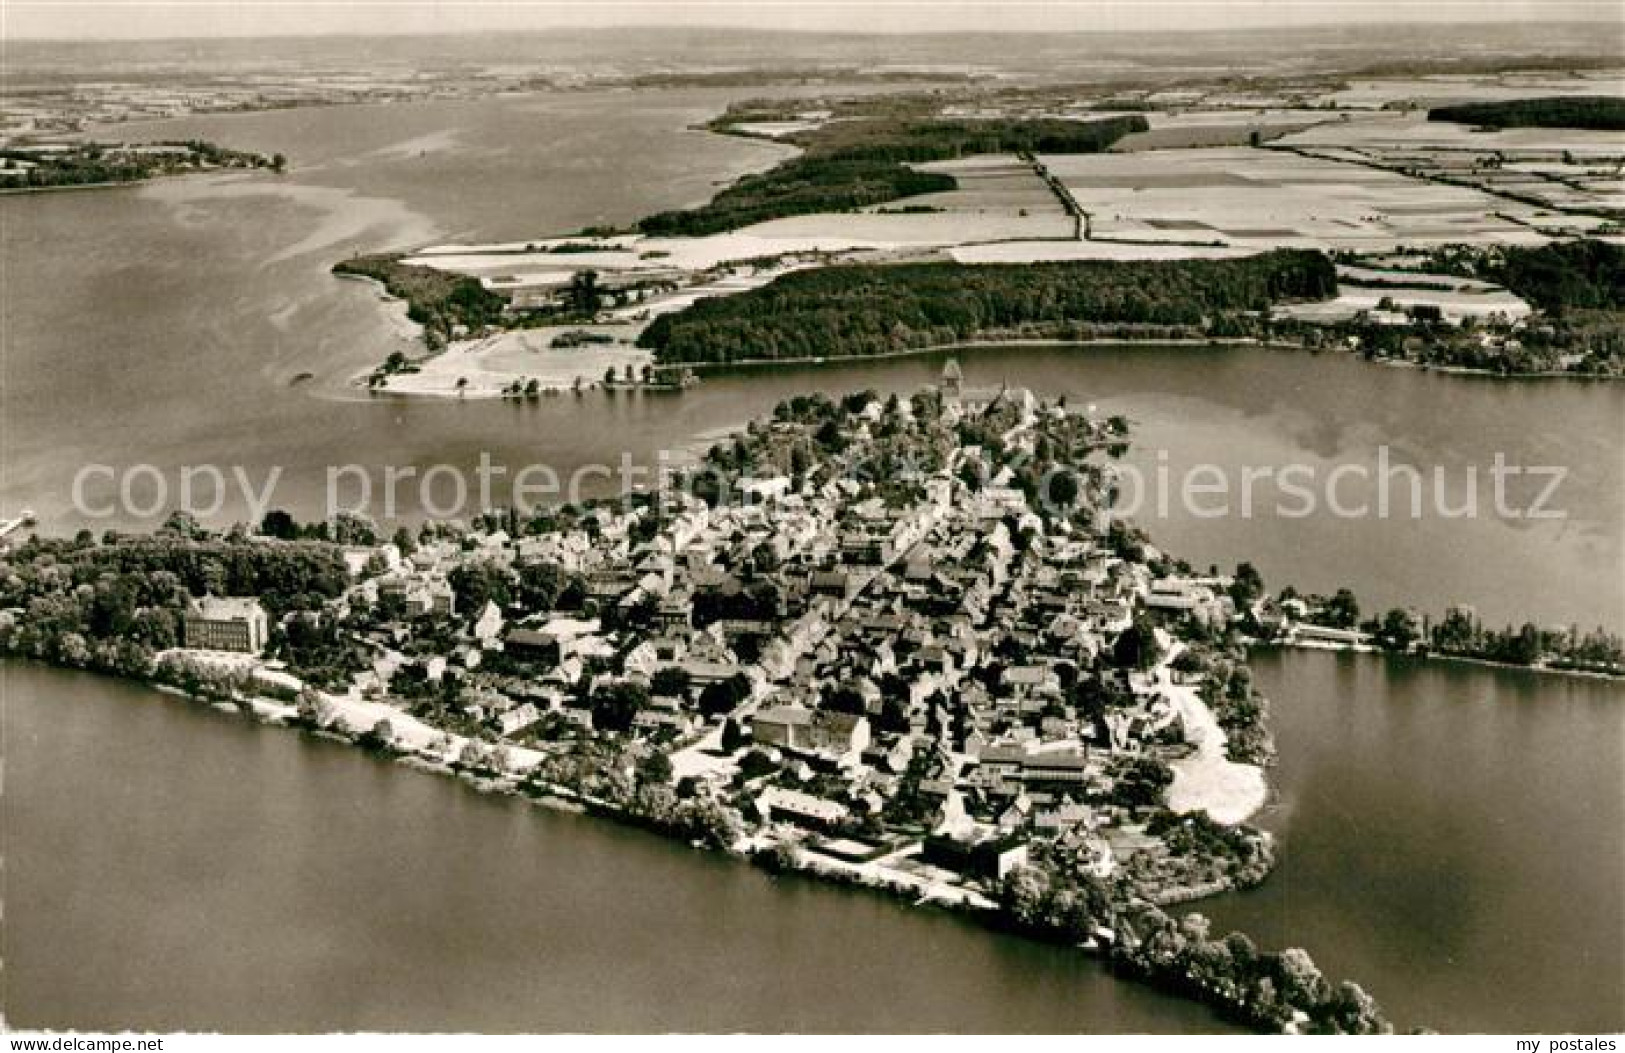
(1341, 27)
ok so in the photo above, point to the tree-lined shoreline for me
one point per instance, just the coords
(862, 310)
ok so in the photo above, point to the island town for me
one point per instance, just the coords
(916, 645)
(892, 642)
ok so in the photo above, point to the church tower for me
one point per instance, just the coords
(952, 380)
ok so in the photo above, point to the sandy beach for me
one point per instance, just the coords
(1207, 780)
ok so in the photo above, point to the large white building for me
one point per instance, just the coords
(227, 623)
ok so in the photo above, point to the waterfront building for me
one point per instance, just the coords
(226, 623)
(989, 857)
(779, 804)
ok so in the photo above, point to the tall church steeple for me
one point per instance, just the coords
(952, 381)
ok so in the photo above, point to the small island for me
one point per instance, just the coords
(29, 166)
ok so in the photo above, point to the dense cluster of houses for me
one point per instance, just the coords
(847, 670)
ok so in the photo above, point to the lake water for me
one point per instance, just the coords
(215, 874)
(1442, 825)
(194, 322)
(1453, 837)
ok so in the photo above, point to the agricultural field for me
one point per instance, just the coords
(1410, 130)
(1448, 89)
(998, 197)
(1059, 251)
(919, 230)
(1574, 173)
(1238, 168)
(1267, 198)
(1218, 127)
(998, 184)
(1454, 305)
(529, 266)
(1217, 174)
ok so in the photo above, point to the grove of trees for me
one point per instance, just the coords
(1596, 112)
(859, 310)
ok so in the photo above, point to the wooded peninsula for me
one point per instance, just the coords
(864, 310)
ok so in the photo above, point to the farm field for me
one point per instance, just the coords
(1453, 305)
(1376, 274)
(920, 230)
(1219, 174)
(1056, 251)
(1411, 130)
(1267, 198)
(1218, 127)
(1447, 89)
(1568, 172)
(512, 265)
(998, 183)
